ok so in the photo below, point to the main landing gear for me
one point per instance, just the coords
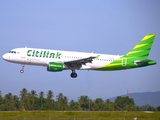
(73, 74)
(22, 71)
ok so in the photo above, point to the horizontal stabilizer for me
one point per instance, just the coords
(150, 62)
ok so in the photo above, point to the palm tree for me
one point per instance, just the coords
(15, 102)
(59, 97)
(84, 102)
(23, 94)
(107, 101)
(74, 105)
(41, 95)
(1, 100)
(8, 100)
(99, 103)
(33, 93)
(59, 100)
(28, 101)
(50, 94)
(64, 103)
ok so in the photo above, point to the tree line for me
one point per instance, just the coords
(30, 101)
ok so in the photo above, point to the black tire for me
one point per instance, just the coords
(73, 75)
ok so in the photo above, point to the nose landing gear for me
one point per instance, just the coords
(22, 71)
(73, 74)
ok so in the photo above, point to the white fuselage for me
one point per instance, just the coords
(42, 57)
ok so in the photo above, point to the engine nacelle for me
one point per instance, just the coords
(55, 67)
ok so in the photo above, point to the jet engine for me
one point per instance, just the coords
(55, 67)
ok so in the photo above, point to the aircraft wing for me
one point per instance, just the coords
(78, 63)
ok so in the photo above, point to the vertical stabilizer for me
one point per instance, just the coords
(142, 49)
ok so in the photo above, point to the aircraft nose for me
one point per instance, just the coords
(4, 56)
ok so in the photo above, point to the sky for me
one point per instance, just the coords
(99, 26)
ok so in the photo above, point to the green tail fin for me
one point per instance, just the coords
(137, 57)
(142, 49)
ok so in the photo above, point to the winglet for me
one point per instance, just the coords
(97, 56)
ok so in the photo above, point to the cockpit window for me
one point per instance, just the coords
(14, 52)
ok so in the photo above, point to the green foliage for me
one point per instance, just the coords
(74, 106)
(41, 96)
(124, 103)
(62, 102)
(50, 94)
(84, 102)
(30, 101)
(99, 104)
(158, 108)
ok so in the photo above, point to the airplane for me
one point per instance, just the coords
(57, 60)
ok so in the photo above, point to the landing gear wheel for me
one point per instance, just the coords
(73, 75)
(21, 71)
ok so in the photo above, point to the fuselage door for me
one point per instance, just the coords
(124, 62)
(23, 53)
